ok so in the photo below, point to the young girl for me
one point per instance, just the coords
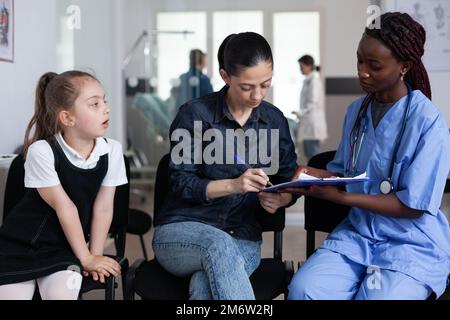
(209, 229)
(395, 242)
(71, 172)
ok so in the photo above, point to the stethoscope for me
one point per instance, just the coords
(357, 135)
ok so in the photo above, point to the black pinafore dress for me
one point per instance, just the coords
(32, 241)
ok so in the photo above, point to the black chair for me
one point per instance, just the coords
(150, 281)
(15, 190)
(318, 215)
(317, 211)
(139, 223)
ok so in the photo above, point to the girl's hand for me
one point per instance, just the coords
(103, 266)
(253, 180)
(98, 276)
(271, 202)
(329, 193)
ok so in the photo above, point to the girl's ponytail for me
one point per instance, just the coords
(43, 128)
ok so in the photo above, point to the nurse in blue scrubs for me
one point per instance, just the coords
(395, 243)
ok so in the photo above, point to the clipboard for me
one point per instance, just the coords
(306, 181)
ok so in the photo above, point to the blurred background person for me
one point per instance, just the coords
(312, 127)
(194, 83)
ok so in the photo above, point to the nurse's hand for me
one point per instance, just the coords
(271, 202)
(318, 173)
(329, 193)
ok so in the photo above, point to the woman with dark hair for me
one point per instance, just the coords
(395, 242)
(208, 228)
(313, 126)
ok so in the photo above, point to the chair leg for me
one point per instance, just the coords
(144, 250)
(310, 243)
(109, 288)
(124, 279)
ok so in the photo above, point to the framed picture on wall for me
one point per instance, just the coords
(7, 30)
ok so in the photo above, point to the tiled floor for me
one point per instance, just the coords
(294, 242)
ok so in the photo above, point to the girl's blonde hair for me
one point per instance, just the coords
(54, 93)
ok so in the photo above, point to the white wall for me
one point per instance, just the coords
(439, 80)
(342, 24)
(98, 48)
(342, 21)
(34, 40)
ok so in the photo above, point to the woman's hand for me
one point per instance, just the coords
(100, 267)
(253, 180)
(271, 202)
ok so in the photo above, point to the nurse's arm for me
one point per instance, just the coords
(388, 205)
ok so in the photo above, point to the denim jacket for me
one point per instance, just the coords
(187, 199)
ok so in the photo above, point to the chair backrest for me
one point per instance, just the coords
(161, 184)
(321, 215)
(15, 190)
(269, 222)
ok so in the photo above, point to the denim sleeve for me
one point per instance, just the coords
(288, 157)
(185, 179)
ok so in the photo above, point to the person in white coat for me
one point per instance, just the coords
(312, 127)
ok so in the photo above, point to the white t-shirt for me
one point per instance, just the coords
(40, 162)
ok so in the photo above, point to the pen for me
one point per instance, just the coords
(240, 161)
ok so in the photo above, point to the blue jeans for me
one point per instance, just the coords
(219, 265)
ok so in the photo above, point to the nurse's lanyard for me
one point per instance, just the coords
(357, 139)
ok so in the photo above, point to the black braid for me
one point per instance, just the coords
(406, 39)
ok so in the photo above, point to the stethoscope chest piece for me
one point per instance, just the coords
(386, 186)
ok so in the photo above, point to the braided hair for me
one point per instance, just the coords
(406, 39)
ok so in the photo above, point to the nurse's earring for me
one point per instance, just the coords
(403, 75)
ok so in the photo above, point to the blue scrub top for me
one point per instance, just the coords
(418, 247)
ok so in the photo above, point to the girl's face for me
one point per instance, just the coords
(378, 69)
(90, 113)
(250, 87)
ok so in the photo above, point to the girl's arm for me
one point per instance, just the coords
(67, 214)
(101, 219)
(68, 217)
